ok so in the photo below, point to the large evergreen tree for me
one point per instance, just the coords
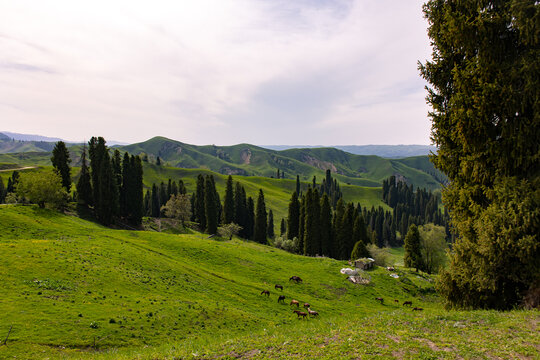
(413, 249)
(293, 218)
(84, 184)
(485, 122)
(104, 182)
(60, 160)
(198, 203)
(270, 226)
(2, 191)
(249, 217)
(211, 203)
(259, 230)
(325, 222)
(228, 202)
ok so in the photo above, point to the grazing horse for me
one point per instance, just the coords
(405, 303)
(278, 287)
(417, 309)
(306, 305)
(266, 292)
(295, 279)
(295, 302)
(396, 301)
(379, 299)
(281, 299)
(300, 313)
(312, 312)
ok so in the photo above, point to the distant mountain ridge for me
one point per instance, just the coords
(386, 151)
(252, 160)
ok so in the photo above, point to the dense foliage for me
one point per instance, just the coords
(485, 114)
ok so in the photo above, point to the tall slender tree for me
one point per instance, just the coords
(270, 226)
(293, 218)
(326, 226)
(228, 202)
(259, 230)
(250, 217)
(413, 250)
(211, 210)
(198, 203)
(84, 184)
(104, 182)
(61, 160)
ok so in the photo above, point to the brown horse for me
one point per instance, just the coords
(405, 303)
(265, 292)
(281, 299)
(417, 309)
(300, 313)
(295, 302)
(396, 301)
(312, 312)
(306, 305)
(379, 299)
(295, 279)
(278, 287)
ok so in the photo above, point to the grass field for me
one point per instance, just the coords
(74, 289)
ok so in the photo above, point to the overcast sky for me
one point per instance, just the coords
(310, 72)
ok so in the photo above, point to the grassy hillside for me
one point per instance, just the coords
(74, 289)
(246, 159)
(250, 160)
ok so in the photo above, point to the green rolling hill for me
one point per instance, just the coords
(251, 160)
(73, 289)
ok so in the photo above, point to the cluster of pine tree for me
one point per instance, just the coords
(112, 185)
(256, 223)
(320, 230)
(158, 195)
(412, 207)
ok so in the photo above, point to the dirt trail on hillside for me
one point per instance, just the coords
(23, 168)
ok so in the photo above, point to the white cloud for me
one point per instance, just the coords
(214, 71)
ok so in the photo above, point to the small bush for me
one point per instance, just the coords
(381, 255)
(94, 325)
(287, 244)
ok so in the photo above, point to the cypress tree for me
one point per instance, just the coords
(326, 226)
(147, 203)
(413, 253)
(283, 227)
(126, 178)
(199, 204)
(228, 202)
(337, 227)
(270, 227)
(169, 189)
(158, 161)
(293, 217)
(250, 217)
(298, 186)
(136, 191)
(181, 187)
(155, 201)
(312, 218)
(174, 188)
(302, 224)
(210, 209)
(84, 184)
(259, 230)
(116, 162)
(347, 231)
(60, 161)
(104, 182)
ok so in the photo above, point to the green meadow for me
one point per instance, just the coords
(75, 289)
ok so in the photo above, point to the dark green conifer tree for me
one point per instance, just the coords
(199, 204)
(413, 249)
(302, 224)
(283, 227)
(298, 186)
(84, 184)
(147, 203)
(259, 230)
(210, 206)
(337, 230)
(60, 160)
(155, 202)
(326, 226)
(228, 202)
(293, 217)
(250, 217)
(270, 226)
(181, 187)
